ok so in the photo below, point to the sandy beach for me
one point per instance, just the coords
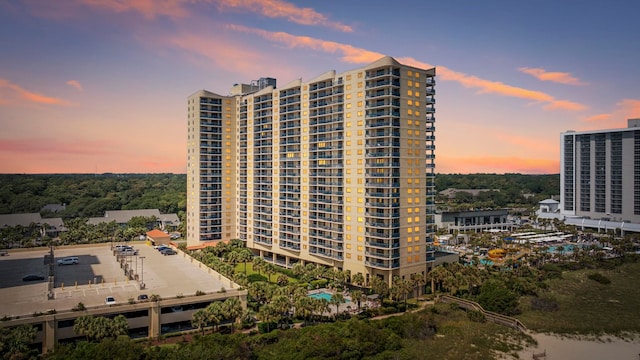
(569, 348)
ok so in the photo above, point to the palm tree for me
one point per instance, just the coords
(200, 320)
(258, 264)
(337, 299)
(379, 286)
(232, 309)
(244, 255)
(268, 314)
(358, 279)
(269, 269)
(304, 307)
(358, 296)
(321, 305)
(215, 313)
(418, 281)
(436, 276)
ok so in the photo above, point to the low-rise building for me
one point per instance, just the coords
(475, 220)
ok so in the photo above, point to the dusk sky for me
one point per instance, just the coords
(101, 85)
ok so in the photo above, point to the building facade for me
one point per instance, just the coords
(336, 171)
(600, 174)
(455, 222)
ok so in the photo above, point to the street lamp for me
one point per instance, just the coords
(142, 273)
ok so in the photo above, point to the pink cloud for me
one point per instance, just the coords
(495, 164)
(349, 53)
(49, 146)
(283, 9)
(148, 8)
(552, 76)
(12, 93)
(76, 84)
(215, 50)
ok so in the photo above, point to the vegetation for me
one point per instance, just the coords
(87, 195)
(504, 190)
(585, 306)
(438, 332)
(15, 343)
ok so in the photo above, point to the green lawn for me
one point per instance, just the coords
(588, 307)
(255, 276)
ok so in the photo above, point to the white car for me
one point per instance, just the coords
(110, 300)
(68, 261)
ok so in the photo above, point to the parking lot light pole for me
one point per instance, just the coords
(142, 273)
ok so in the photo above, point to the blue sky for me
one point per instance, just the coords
(101, 85)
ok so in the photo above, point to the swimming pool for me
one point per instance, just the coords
(324, 295)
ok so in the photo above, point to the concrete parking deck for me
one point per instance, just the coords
(99, 274)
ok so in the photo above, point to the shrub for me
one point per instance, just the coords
(79, 307)
(265, 327)
(599, 278)
(320, 283)
(199, 292)
(476, 316)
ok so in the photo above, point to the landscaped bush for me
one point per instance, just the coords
(597, 277)
(320, 283)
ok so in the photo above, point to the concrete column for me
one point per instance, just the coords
(154, 320)
(49, 334)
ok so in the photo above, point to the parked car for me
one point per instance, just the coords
(4, 253)
(128, 252)
(68, 261)
(32, 277)
(143, 298)
(168, 251)
(161, 247)
(110, 300)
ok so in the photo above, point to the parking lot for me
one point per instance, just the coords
(98, 274)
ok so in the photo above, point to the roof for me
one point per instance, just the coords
(20, 219)
(28, 219)
(206, 244)
(123, 216)
(549, 202)
(155, 233)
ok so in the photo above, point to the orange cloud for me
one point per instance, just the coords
(498, 165)
(356, 55)
(283, 9)
(553, 76)
(349, 53)
(630, 108)
(74, 83)
(12, 93)
(496, 87)
(148, 8)
(599, 117)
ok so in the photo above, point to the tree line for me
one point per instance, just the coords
(86, 195)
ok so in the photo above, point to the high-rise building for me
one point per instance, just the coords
(600, 174)
(337, 170)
